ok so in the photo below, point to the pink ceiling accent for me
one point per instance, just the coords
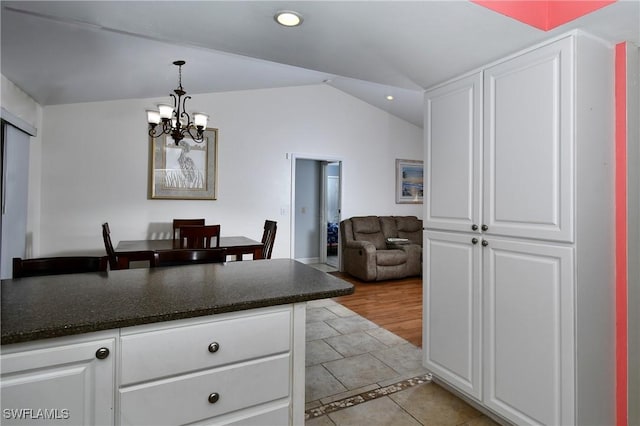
(544, 14)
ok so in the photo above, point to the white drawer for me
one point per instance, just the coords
(270, 414)
(185, 399)
(166, 352)
(273, 417)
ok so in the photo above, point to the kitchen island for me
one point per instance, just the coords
(217, 343)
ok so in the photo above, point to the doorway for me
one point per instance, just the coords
(331, 209)
(316, 199)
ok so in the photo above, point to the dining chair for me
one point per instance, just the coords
(58, 265)
(268, 238)
(199, 236)
(190, 256)
(123, 259)
(178, 223)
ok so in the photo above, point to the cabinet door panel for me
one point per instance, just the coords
(452, 310)
(59, 385)
(528, 331)
(528, 143)
(452, 154)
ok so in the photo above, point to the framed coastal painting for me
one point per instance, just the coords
(409, 181)
(187, 171)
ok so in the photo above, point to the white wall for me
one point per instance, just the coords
(95, 159)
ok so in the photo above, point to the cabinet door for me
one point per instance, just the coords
(452, 154)
(452, 309)
(528, 145)
(528, 332)
(59, 385)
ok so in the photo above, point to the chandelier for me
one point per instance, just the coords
(175, 121)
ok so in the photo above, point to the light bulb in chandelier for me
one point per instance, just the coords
(174, 120)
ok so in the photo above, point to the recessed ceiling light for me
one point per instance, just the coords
(288, 18)
(389, 97)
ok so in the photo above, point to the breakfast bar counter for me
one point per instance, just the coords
(59, 305)
(219, 343)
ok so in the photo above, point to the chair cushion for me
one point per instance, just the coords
(368, 229)
(410, 227)
(388, 225)
(390, 257)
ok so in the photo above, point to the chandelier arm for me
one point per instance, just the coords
(176, 109)
(154, 134)
(175, 101)
(198, 139)
(184, 110)
(164, 129)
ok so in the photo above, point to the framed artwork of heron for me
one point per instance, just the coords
(184, 171)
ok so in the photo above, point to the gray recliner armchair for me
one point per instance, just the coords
(368, 254)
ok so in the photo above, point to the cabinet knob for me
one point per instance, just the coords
(485, 243)
(474, 241)
(485, 228)
(102, 353)
(214, 397)
(474, 227)
(213, 347)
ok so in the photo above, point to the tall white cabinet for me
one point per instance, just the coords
(519, 296)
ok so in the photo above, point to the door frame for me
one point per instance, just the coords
(315, 157)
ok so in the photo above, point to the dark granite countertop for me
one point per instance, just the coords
(59, 305)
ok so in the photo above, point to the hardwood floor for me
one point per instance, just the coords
(395, 305)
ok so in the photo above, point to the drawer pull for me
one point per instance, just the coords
(214, 397)
(213, 348)
(102, 353)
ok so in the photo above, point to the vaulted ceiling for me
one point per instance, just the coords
(79, 51)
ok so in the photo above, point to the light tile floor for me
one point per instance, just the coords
(360, 374)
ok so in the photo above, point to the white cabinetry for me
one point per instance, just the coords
(528, 331)
(241, 368)
(194, 370)
(528, 144)
(518, 304)
(66, 381)
(452, 309)
(453, 151)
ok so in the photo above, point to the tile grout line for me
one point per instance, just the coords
(365, 396)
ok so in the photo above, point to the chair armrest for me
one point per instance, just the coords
(414, 258)
(410, 247)
(360, 245)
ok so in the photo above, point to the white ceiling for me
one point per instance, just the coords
(79, 51)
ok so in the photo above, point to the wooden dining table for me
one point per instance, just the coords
(235, 246)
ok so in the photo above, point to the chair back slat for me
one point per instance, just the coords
(179, 223)
(122, 260)
(200, 236)
(111, 253)
(58, 265)
(268, 238)
(190, 256)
